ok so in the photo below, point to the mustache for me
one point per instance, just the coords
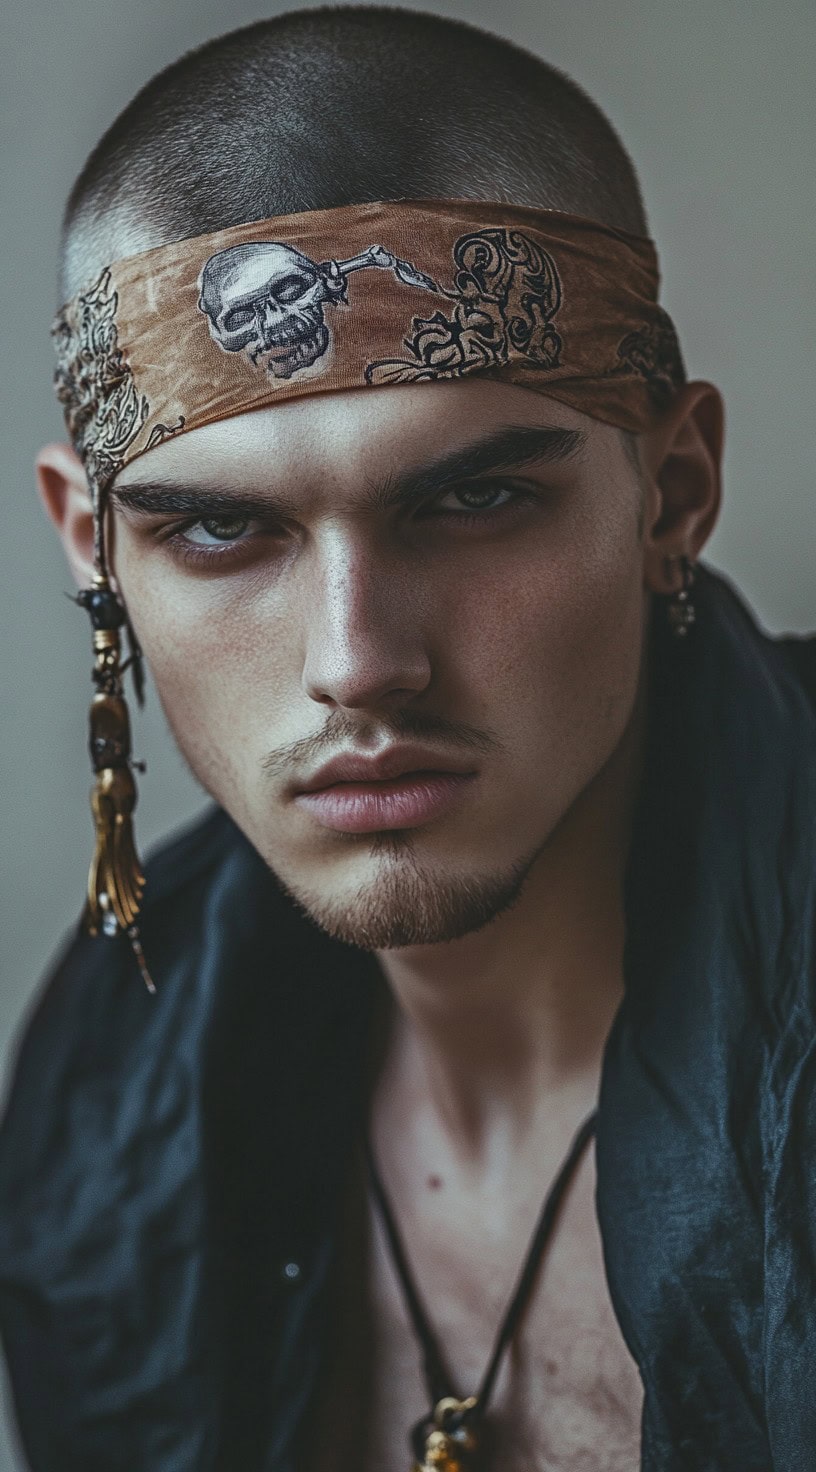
(342, 730)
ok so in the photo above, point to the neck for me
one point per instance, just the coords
(491, 1032)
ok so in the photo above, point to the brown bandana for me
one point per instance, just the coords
(368, 294)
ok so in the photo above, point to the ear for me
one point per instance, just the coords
(681, 459)
(65, 494)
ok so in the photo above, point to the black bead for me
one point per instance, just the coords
(103, 606)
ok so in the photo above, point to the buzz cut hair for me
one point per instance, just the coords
(335, 106)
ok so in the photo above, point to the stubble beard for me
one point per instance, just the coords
(407, 904)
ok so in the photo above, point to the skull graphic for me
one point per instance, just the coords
(267, 299)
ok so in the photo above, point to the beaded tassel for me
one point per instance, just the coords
(115, 880)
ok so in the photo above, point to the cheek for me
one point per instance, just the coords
(553, 641)
(223, 673)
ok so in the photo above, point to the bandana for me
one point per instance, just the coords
(362, 296)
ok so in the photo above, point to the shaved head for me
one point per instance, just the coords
(335, 106)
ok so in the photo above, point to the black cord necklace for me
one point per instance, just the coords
(449, 1438)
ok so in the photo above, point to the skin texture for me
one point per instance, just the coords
(513, 645)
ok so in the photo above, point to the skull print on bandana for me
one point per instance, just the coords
(267, 299)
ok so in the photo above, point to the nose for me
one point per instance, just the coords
(365, 647)
(270, 312)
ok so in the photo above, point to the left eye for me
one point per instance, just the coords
(216, 529)
(477, 498)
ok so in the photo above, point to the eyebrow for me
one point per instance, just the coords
(509, 448)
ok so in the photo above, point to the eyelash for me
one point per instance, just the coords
(202, 555)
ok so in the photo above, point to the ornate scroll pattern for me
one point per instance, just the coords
(654, 353)
(103, 409)
(507, 293)
(161, 432)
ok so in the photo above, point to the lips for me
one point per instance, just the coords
(396, 761)
(400, 788)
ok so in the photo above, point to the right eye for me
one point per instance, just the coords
(238, 317)
(218, 529)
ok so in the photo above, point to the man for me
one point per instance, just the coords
(498, 834)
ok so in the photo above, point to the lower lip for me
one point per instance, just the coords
(370, 807)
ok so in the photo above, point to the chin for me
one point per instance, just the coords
(408, 903)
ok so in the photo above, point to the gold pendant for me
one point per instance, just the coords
(451, 1445)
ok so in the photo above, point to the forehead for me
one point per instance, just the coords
(335, 439)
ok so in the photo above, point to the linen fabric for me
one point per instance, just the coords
(165, 1161)
(362, 296)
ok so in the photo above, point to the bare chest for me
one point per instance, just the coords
(568, 1396)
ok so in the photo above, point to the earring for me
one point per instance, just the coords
(115, 880)
(681, 611)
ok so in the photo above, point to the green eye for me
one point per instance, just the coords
(477, 498)
(222, 528)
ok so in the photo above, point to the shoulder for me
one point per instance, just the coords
(232, 958)
(98, 1146)
(93, 1025)
(801, 654)
(154, 1139)
(178, 872)
(789, 659)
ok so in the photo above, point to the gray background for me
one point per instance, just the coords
(716, 103)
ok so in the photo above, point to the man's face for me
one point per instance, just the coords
(447, 578)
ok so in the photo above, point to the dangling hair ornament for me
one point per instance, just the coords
(115, 880)
(105, 414)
